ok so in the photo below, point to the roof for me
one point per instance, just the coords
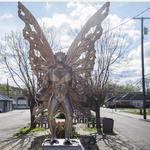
(130, 96)
(109, 99)
(4, 98)
(134, 96)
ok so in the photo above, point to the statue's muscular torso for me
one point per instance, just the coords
(60, 77)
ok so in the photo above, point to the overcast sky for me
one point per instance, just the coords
(65, 16)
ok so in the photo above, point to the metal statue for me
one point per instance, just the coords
(59, 76)
(62, 78)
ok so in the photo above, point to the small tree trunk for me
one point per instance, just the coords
(33, 124)
(98, 121)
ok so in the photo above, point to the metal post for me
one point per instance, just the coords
(143, 75)
(7, 88)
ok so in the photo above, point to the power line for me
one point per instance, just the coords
(127, 20)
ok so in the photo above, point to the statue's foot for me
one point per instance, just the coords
(54, 141)
(67, 142)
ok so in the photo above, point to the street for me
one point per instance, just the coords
(11, 121)
(133, 130)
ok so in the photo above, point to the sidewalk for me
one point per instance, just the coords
(23, 142)
(106, 141)
(103, 142)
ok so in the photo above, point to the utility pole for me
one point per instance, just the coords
(7, 88)
(142, 62)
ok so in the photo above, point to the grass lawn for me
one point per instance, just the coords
(90, 129)
(26, 130)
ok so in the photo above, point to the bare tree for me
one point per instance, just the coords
(15, 52)
(16, 58)
(110, 49)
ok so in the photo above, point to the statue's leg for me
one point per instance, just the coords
(53, 105)
(67, 106)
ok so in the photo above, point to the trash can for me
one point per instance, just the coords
(108, 125)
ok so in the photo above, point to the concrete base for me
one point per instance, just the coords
(76, 145)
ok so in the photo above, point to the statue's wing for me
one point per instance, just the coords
(40, 52)
(81, 54)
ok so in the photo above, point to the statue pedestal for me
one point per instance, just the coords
(76, 145)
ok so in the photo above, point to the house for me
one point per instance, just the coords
(5, 104)
(133, 99)
(126, 101)
(110, 102)
(113, 101)
(138, 100)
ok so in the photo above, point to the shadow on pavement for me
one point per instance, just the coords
(93, 141)
(16, 143)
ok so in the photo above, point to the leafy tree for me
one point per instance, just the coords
(3, 89)
(115, 89)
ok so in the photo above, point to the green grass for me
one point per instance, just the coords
(90, 129)
(38, 129)
(134, 111)
(26, 130)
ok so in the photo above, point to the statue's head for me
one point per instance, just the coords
(60, 57)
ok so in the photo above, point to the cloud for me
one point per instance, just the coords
(114, 23)
(67, 23)
(6, 16)
(56, 20)
(8, 23)
(77, 14)
(82, 12)
(130, 70)
(48, 6)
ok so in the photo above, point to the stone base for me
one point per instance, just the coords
(76, 145)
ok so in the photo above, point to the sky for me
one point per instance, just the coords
(64, 16)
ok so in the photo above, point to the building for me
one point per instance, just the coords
(133, 99)
(113, 101)
(15, 91)
(6, 104)
(20, 102)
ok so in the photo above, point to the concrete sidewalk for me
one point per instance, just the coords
(106, 141)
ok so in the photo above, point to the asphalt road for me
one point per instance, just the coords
(11, 121)
(133, 130)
